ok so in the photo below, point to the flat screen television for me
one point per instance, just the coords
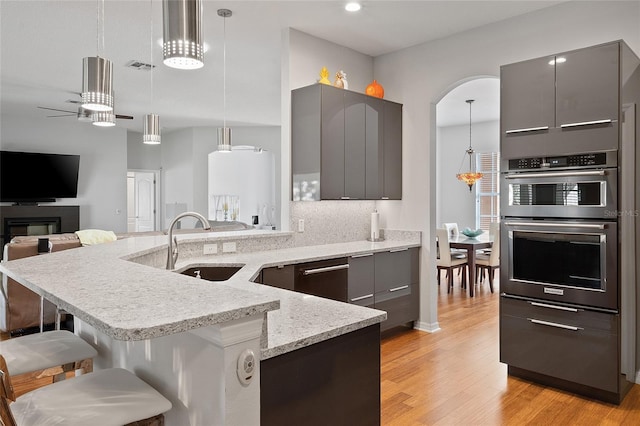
(31, 177)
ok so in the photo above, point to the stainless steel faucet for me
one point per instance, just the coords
(172, 254)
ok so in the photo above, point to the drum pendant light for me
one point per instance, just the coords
(97, 74)
(151, 122)
(471, 176)
(182, 34)
(103, 119)
(224, 133)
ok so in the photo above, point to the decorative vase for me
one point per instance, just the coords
(375, 89)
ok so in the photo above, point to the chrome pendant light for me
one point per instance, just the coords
(103, 119)
(471, 176)
(224, 133)
(182, 34)
(151, 130)
(97, 74)
(151, 122)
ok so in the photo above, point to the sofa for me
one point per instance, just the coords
(19, 306)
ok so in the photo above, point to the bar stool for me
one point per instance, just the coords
(47, 354)
(113, 396)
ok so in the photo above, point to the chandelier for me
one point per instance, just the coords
(471, 176)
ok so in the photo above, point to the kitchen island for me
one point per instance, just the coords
(183, 335)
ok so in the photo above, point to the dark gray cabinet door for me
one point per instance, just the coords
(392, 189)
(374, 150)
(279, 276)
(305, 142)
(393, 270)
(361, 279)
(354, 146)
(527, 95)
(587, 85)
(332, 144)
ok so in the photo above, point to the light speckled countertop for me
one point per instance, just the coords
(131, 301)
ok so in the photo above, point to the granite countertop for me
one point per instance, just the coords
(132, 301)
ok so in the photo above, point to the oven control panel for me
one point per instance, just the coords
(579, 160)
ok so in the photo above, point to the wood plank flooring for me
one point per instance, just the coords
(454, 377)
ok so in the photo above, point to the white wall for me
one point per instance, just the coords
(306, 57)
(102, 190)
(455, 202)
(142, 156)
(420, 76)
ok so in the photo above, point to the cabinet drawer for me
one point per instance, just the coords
(361, 279)
(560, 349)
(401, 306)
(553, 312)
(279, 276)
(393, 269)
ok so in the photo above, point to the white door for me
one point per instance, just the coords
(145, 201)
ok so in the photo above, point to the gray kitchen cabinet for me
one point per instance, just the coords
(281, 276)
(570, 100)
(576, 346)
(345, 145)
(361, 279)
(396, 287)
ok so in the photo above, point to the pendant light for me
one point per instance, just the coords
(151, 122)
(182, 34)
(103, 119)
(97, 73)
(224, 133)
(471, 176)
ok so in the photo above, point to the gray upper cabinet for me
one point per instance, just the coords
(345, 145)
(569, 101)
(528, 95)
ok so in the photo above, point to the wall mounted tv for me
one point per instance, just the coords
(31, 177)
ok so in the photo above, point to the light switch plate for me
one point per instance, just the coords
(300, 225)
(229, 247)
(210, 249)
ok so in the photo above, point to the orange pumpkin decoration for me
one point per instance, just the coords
(375, 89)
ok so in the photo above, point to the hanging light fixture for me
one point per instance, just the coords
(151, 122)
(471, 176)
(224, 133)
(103, 119)
(97, 74)
(182, 34)
(151, 130)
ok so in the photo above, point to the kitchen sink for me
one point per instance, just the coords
(212, 273)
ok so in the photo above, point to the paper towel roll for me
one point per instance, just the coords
(375, 226)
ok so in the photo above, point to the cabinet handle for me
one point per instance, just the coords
(560, 308)
(557, 225)
(384, 198)
(349, 198)
(355, 299)
(398, 288)
(398, 250)
(555, 324)
(555, 174)
(325, 269)
(355, 256)
(585, 123)
(528, 129)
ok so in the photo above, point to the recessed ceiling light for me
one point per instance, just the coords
(352, 7)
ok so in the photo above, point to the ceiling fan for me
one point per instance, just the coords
(81, 114)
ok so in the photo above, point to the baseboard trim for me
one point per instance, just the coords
(428, 327)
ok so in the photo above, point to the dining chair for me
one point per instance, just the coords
(489, 262)
(446, 261)
(113, 396)
(51, 354)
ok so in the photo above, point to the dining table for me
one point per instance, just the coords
(471, 244)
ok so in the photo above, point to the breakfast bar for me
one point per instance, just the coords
(182, 334)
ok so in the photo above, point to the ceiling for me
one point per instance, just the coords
(43, 43)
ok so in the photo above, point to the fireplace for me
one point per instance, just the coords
(37, 220)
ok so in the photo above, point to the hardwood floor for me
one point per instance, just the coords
(454, 377)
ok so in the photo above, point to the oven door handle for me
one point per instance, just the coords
(555, 324)
(558, 225)
(556, 174)
(560, 308)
